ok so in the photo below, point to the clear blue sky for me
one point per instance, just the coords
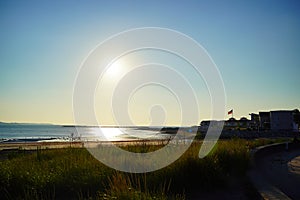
(255, 44)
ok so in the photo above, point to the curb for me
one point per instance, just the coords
(265, 189)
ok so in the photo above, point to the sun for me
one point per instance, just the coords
(115, 69)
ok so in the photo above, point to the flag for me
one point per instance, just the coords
(230, 111)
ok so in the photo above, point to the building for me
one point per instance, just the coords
(254, 121)
(204, 125)
(280, 120)
(232, 123)
(264, 120)
(244, 123)
(283, 120)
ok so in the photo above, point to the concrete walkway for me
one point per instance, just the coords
(294, 165)
(276, 174)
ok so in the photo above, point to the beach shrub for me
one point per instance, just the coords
(75, 173)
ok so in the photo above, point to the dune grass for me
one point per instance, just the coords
(74, 173)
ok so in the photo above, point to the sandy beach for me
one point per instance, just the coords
(41, 145)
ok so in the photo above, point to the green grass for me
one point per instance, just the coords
(76, 174)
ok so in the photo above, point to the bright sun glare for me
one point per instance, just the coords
(115, 69)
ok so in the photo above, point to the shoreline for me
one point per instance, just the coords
(121, 143)
(75, 144)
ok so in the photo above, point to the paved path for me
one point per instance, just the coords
(294, 165)
(277, 175)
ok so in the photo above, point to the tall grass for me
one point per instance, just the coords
(74, 173)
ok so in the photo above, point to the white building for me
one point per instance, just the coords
(283, 120)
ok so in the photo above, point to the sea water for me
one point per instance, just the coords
(11, 132)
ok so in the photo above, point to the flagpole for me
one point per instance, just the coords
(231, 112)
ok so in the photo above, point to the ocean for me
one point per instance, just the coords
(12, 132)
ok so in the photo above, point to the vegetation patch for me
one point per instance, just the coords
(74, 173)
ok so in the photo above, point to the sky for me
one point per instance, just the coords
(254, 44)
